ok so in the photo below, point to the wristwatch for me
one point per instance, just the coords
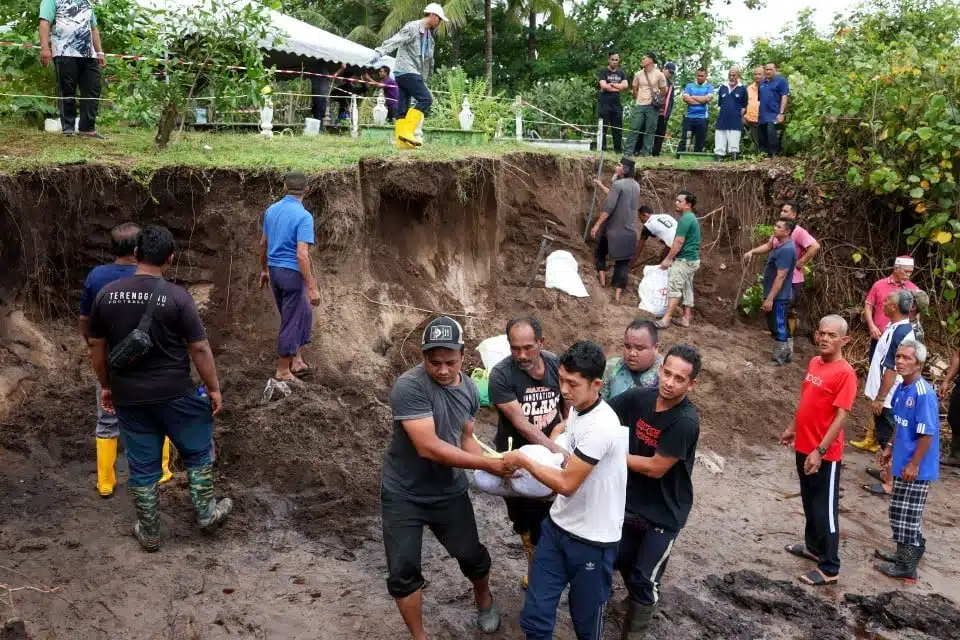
(822, 451)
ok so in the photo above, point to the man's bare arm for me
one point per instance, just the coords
(423, 434)
(514, 414)
(777, 284)
(651, 466)
(98, 358)
(85, 327)
(563, 481)
(808, 254)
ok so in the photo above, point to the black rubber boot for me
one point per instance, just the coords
(892, 557)
(905, 565)
(637, 621)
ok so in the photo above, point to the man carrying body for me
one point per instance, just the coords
(778, 289)
(578, 541)
(659, 225)
(732, 102)
(71, 26)
(663, 118)
(953, 412)
(698, 96)
(876, 321)
(640, 363)
(123, 245)
(649, 86)
(882, 378)
(423, 484)
(285, 264)
(774, 94)
(616, 229)
(525, 389)
(752, 114)
(915, 455)
(612, 82)
(414, 44)
(153, 394)
(663, 429)
(806, 247)
(683, 260)
(826, 398)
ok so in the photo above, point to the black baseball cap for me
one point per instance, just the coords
(671, 66)
(443, 332)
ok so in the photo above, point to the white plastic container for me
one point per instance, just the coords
(311, 127)
(493, 350)
(51, 125)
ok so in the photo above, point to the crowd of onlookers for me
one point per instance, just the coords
(759, 108)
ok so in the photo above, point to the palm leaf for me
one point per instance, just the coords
(362, 34)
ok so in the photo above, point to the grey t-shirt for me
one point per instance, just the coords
(415, 395)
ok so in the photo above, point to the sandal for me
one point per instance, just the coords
(306, 372)
(875, 473)
(800, 551)
(679, 322)
(660, 324)
(817, 578)
(876, 488)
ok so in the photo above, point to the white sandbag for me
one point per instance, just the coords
(493, 350)
(653, 290)
(524, 484)
(563, 273)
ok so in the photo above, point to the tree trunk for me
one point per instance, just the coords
(168, 122)
(488, 43)
(455, 46)
(532, 36)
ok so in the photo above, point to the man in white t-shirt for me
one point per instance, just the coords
(661, 226)
(578, 541)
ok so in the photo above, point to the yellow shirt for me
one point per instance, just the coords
(753, 103)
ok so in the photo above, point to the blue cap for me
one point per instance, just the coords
(671, 66)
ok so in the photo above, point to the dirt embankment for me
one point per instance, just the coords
(397, 243)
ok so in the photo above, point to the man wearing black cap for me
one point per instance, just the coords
(649, 89)
(616, 229)
(669, 70)
(422, 481)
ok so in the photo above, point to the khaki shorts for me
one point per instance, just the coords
(680, 280)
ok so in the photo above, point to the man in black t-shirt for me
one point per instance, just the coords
(664, 428)
(525, 389)
(612, 81)
(155, 397)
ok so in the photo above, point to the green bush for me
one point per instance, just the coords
(752, 299)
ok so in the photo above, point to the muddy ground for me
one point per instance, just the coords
(302, 555)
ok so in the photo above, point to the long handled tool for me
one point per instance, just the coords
(593, 200)
(545, 241)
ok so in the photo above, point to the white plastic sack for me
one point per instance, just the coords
(524, 485)
(563, 273)
(493, 350)
(653, 290)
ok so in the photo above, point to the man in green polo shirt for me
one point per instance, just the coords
(683, 262)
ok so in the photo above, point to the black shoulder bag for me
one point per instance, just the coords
(657, 99)
(137, 344)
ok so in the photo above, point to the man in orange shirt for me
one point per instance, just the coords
(816, 433)
(752, 114)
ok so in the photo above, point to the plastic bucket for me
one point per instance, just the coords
(311, 127)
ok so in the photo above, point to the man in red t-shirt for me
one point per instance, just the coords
(816, 432)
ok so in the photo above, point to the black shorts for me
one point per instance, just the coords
(451, 520)
(527, 515)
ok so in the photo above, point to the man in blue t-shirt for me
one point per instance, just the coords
(732, 100)
(123, 244)
(285, 264)
(774, 94)
(778, 289)
(915, 454)
(698, 96)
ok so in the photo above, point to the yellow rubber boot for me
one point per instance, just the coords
(411, 122)
(167, 474)
(529, 548)
(869, 442)
(106, 466)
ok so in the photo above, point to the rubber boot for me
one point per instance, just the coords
(411, 122)
(399, 128)
(792, 327)
(735, 156)
(106, 466)
(892, 557)
(781, 353)
(869, 442)
(530, 549)
(953, 460)
(636, 622)
(167, 474)
(146, 501)
(789, 349)
(904, 566)
(210, 512)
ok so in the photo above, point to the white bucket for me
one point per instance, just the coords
(311, 127)
(51, 125)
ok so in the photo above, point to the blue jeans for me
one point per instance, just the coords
(187, 421)
(560, 560)
(411, 86)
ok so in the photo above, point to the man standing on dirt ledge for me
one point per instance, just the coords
(683, 260)
(422, 481)
(826, 398)
(285, 264)
(148, 383)
(616, 229)
(778, 289)
(525, 389)
(123, 245)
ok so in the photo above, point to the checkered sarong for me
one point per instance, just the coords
(906, 510)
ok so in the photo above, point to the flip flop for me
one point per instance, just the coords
(304, 373)
(875, 473)
(660, 324)
(815, 578)
(678, 322)
(876, 488)
(800, 551)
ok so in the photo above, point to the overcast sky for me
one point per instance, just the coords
(768, 22)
